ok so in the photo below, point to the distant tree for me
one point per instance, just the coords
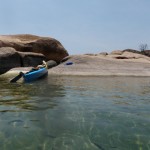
(143, 47)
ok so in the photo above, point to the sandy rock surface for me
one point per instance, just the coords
(103, 66)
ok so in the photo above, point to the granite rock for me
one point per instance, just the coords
(50, 47)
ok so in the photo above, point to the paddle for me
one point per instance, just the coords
(15, 79)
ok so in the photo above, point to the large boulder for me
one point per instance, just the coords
(50, 47)
(9, 58)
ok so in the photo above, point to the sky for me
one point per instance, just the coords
(82, 26)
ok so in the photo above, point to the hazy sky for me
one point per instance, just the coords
(82, 26)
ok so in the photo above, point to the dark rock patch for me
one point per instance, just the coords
(51, 64)
(31, 59)
(9, 58)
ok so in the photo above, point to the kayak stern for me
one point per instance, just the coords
(34, 75)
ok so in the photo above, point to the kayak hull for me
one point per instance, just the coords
(34, 75)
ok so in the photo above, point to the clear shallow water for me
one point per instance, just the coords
(75, 113)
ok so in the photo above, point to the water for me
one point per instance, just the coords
(75, 113)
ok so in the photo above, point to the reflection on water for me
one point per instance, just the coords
(71, 113)
(29, 96)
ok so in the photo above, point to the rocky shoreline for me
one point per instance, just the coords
(27, 50)
(100, 65)
(117, 63)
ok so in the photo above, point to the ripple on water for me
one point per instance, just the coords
(61, 113)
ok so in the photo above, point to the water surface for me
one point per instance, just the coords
(75, 113)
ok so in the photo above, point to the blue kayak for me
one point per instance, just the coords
(35, 74)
